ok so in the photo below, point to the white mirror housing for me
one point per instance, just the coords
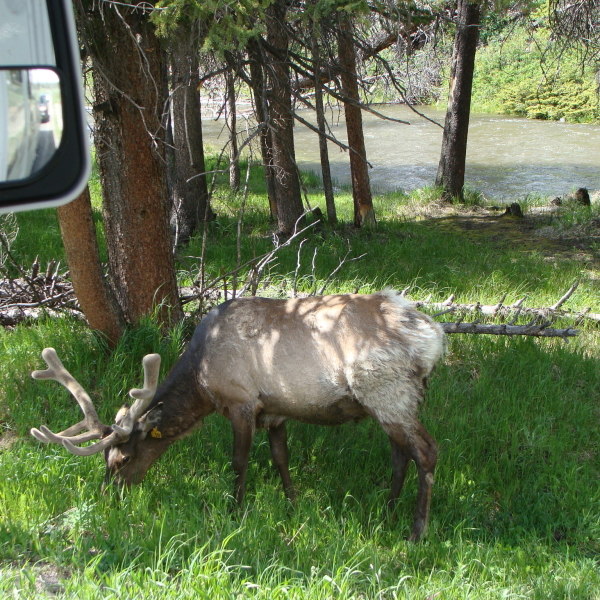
(44, 140)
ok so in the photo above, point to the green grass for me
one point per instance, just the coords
(425, 253)
(516, 505)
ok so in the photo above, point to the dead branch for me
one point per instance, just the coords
(17, 266)
(534, 330)
(238, 260)
(257, 266)
(336, 270)
(570, 291)
(298, 265)
(53, 300)
(512, 311)
(35, 293)
(256, 272)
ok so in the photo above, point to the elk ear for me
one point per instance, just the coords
(121, 414)
(149, 422)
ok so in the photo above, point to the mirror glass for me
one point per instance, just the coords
(25, 35)
(31, 122)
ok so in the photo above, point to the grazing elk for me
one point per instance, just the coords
(323, 360)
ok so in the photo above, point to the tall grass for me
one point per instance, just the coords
(516, 505)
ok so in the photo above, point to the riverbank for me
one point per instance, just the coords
(558, 233)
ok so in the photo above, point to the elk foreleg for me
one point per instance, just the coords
(243, 434)
(279, 452)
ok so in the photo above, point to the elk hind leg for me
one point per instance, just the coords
(424, 452)
(422, 448)
(400, 462)
(280, 455)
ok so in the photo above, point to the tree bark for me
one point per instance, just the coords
(364, 213)
(126, 64)
(95, 296)
(285, 183)
(190, 206)
(261, 112)
(451, 168)
(324, 154)
(234, 163)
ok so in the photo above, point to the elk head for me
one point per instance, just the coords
(126, 461)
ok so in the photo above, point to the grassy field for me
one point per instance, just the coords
(516, 505)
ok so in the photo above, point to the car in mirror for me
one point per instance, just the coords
(44, 108)
(44, 148)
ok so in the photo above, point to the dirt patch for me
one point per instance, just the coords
(48, 578)
(7, 440)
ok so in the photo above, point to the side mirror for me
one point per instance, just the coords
(44, 148)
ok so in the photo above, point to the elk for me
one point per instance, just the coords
(322, 360)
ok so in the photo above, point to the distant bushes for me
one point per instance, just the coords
(522, 72)
(573, 100)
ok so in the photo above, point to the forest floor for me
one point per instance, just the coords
(548, 230)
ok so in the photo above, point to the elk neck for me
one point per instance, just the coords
(184, 404)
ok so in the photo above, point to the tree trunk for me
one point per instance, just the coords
(95, 296)
(234, 163)
(261, 111)
(359, 169)
(451, 168)
(286, 184)
(190, 205)
(324, 154)
(126, 63)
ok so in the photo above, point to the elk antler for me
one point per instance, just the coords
(142, 397)
(95, 428)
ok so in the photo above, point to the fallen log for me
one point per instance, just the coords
(511, 311)
(503, 329)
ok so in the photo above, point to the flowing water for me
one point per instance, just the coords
(507, 157)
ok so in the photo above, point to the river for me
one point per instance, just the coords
(507, 157)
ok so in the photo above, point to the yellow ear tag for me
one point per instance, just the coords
(155, 433)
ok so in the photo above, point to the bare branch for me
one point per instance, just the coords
(336, 270)
(258, 265)
(533, 330)
(41, 303)
(565, 297)
(298, 265)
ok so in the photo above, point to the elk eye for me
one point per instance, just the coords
(125, 460)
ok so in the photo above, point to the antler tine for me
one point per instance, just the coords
(57, 372)
(57, 438)
(114, 438)
(144, 396)
(38, 435)
(70, 431)
(72, 435)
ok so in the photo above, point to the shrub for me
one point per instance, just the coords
(524, 74)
